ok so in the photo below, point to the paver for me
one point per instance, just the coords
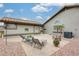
(71, 49)
(11, 49)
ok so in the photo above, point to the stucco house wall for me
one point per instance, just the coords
(70, 19)
(21, 30)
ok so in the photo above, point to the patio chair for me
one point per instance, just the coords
(37, 42)
(22, 37)
(26, 39)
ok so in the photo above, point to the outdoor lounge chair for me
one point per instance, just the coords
(26, 39)
(33, 41)
(37, 42)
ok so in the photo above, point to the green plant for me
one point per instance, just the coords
(59, 27)
(56, 42)
(29, 36)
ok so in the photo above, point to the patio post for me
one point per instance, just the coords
(6, 34)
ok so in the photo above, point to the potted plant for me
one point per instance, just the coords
(56, 42)
(59, 29)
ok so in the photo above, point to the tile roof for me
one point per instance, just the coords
(19, 21)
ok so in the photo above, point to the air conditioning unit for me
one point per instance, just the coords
(68, 34)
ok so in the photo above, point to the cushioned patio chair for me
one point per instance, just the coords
(26, 39)
(38, 43)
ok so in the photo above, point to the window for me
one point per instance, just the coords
(57, 21)
(1, 23)
(11, 26)
(26, 29)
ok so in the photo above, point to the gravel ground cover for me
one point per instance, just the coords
(11, 49)
(71, 49)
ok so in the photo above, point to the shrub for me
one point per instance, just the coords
(56, 42)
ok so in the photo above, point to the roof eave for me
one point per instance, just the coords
(54, 15)
(20, 23)
(64, 7)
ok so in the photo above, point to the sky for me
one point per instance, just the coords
(39, 12)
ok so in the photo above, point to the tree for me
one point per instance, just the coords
(59, 29)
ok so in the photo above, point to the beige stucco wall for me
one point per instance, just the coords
(21, 30)
(70, 19)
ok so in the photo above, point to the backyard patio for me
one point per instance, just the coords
(16, 47)
(71, 49)
(11, 49)
(46, 50)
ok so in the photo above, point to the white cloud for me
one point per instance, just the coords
(24, 18)
(9, 11)
(46, 4)
(48, 17)
(1, 5)
(39, 9)
(43, 7)
(39, 18)
(53, 4)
